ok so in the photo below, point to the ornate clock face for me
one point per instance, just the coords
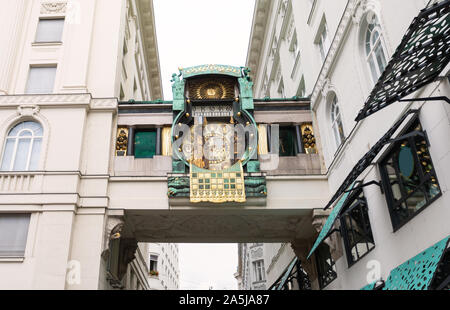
(218, 139)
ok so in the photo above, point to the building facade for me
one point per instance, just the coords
(60, 80)
(335, 52)
(164, 267)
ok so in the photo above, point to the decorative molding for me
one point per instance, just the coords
(45, 99)
(106, 103)
(146, 19)
(364, 6)
(53, 8)
(346, 21)
(27, 110)
(258, 34)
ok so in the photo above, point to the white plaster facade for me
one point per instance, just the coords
(251, 271)
(167, 266)
(285, 48)
(67, 194)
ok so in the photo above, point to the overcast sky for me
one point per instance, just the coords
(191, 33)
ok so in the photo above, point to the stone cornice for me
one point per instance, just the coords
(257, 35)
(59, 100)
(336, 45)
(147, 20)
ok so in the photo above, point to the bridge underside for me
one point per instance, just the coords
(207, 225)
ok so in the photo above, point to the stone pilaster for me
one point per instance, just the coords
(12, 14)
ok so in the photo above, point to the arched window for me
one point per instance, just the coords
(336, 122)
(22, 147)
(375, 51)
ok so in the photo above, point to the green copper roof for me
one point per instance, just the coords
(417, 273)
(330, 221)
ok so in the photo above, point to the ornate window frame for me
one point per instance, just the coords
(356, 204)
(409, 138)
(335, 120)
(26, 113)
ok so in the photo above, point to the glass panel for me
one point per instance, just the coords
(374, 37)
(381, 59)
(7, 154)
(413, 181)
(145, 144)
(373, 69)
(35, 152)
(41, 80)
(287, 141)
(13, 234)
(25, 133)
(49, 30)
(20, 161)
(35, 127)
(15, 131)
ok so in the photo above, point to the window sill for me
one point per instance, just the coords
(51, 43)
(12, 259)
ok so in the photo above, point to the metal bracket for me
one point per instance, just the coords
(411, 134)
(333, 231)
(439, 98)
(366, 184)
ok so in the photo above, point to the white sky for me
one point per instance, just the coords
(191, 33)
(197, 32)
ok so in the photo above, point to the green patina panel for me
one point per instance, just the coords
(178, 93)
(253, 166)
(417, 273)
(369, 287)
(330, 221)
(145, 144)
(178, 166)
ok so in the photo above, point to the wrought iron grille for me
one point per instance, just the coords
(408, 176)
(421, 56)
(367, 159)
(355, 228)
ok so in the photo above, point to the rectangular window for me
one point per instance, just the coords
(288, 143)
(145, 143)
(326, 267)
(260, 273)
(13, 234)
(356, 229)
(50, 30)
(41, 80)
(324, 43)
(408, 176)
(153, 263)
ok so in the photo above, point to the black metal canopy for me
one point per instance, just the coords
(367, 159)
(421, 56)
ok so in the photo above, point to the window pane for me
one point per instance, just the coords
(41, 80)
(25, 133)
(13, 234)
(287, 141)
(23, 148)
(381, 59)
(145, 144)
(49, 30)
(410, 171)
(7, 154)
(35, 152)
(373, 69)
